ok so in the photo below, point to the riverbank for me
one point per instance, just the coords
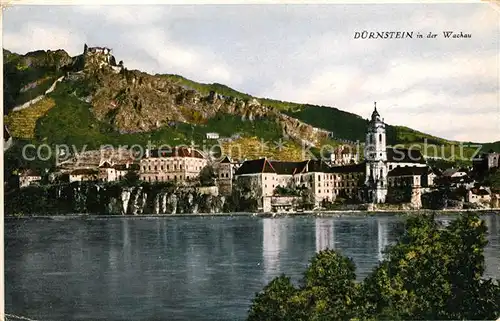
(336, 213)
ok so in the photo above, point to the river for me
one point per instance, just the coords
(182, 268)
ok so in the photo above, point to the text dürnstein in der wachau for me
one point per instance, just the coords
(408, 35)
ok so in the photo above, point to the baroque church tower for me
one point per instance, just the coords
(376, 159)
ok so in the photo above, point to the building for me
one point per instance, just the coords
(376, 159)
(369, 181)
(178, 164)
(225, 170)
(479, 195)
(122, 170)
(380, 160)
(212, 135)
(486, 161)
(414, 176)
(347, 180)
(344, 155)
(28, 177)
(107, 172)
(313, 176)
(402, 157)
(83, 174)
(454, 172)
(116, 172)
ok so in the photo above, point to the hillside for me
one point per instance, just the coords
(102, 102)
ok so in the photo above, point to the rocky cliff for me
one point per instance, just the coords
(133, 101)
(111, 199)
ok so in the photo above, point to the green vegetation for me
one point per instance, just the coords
(22, 123)
(253, 148)
(207, 176)
(495, 146)
(20, 71)
(432, 273)
(398, 195)
(287, 191)
(492, 179)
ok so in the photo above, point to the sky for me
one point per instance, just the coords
(301, 53)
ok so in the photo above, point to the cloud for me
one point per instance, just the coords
(36, 36)
(175, 58)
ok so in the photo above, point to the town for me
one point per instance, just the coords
(386, 176)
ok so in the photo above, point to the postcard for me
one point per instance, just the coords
(251, 161)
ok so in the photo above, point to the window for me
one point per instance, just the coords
(227, 174)
(319, 191)
(180, 167)
(156, 168)
(380, 139)
(149, 167)
(156, 178)
(161, 167)
(319, 177)
(168, 167)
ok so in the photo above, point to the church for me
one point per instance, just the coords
(383, 171)
(384, 167)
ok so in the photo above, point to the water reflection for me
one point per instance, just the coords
(383, 237)
(271, 244)
(325, 234)
(179, 268)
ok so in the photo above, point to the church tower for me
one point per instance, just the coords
(376, 159)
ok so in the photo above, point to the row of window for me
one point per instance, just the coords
(165, 178)
(188, 168)
(340, 184)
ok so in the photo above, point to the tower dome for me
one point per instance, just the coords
(375, 114)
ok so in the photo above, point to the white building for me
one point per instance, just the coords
(178, 164)
(83, 174)
(313, 175)
(28, 177)
(212, 135)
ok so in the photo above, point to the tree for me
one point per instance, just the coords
(131, 178)
(432, 273)
(207, 176)
(328, 292)
(399, 194)
(272, 303)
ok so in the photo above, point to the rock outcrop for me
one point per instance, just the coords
(112, 199)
